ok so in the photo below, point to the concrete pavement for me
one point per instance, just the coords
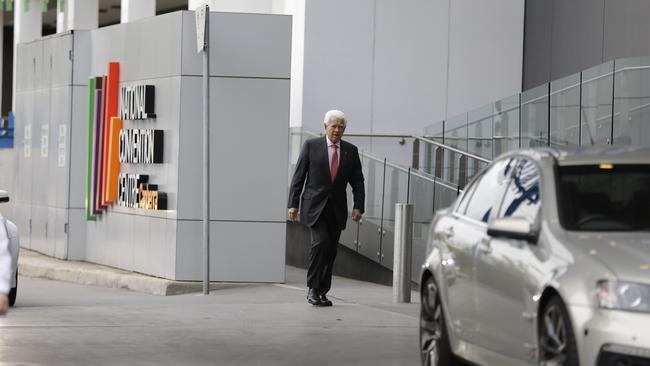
(58, 323)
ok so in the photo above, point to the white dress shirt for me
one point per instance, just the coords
(330, 151)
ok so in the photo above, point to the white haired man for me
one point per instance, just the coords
(325, 167)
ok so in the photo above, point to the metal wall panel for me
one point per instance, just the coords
(537, 43)
(148, 48)
(253, 45)
(240, 251)
(248, 153)
(410, 66)
(577, 36)
(338, 61)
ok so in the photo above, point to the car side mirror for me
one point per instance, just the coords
(512, 228)
(4, 196)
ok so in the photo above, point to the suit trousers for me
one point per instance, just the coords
(325, 234)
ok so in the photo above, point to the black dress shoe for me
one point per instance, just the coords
(325, 301)
(313, 298)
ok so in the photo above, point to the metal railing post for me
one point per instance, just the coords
(402, 252)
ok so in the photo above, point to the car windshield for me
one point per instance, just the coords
(604, 197)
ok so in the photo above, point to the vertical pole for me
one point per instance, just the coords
(402, 257)
(206, 157)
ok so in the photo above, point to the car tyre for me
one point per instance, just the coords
(13, 292)
(557, 344)
(434, 341)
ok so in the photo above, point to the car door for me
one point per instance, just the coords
(502, 267)
(465, 233)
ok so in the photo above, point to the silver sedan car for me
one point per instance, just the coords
(544, 259)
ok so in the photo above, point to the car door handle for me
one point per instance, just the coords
(485, 246)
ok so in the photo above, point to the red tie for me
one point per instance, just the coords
(334, 168)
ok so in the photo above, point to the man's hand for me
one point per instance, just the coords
(293, 214)
(4, 304)
(356, 215)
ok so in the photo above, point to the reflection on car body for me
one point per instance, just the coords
(543, 259)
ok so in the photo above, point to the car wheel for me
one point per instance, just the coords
(12, 292)
(434, 342)
(557, 345)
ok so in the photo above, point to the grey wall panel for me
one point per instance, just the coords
(252, 45)
(76, 153)
(240, 251)
(577, 36)
(190, 158)
(189, 251)
(61, 62)
(537, 43)
(338, 62)
(148, 48)
(23, 141)
(81, 57)
(410, 84)
(140, 241)
(249, 154)
(29, 66)
(40, 138)
(59, 144)
(485, 52)
(160, 249)
(249, 149)
(76, 234)
(245, 251)
(626, 29)
(59, 235)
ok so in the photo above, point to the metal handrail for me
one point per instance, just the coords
(458, 151)
(414, 172)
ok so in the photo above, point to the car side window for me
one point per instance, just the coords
(522, 197)
(487, 197)
(467, 194)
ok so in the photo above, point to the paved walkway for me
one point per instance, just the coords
(59, 323)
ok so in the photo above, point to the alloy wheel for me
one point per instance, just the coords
(430, 325)
(553, 337)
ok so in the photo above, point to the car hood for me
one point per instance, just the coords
(626, 254)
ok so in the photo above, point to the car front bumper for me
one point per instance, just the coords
(605, 336)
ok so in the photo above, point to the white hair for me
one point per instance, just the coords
(335, 114)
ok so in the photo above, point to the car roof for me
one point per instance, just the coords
(590, 155)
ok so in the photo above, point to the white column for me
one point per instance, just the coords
(77, 14)
(28, 25)
(137, 9)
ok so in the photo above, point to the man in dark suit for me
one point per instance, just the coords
(325, 167)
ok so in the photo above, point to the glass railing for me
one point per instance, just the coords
(608, 104)
(426, 184)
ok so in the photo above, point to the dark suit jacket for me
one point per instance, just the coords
(313, 172)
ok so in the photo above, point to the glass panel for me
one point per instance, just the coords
(534, 117)
(506, 125)
(369, 238)
(455, 136)
(396, 191)
(596, 125)
(632, 101)
(422, 198)
(565, 112)
(427, 157)
(479, 131)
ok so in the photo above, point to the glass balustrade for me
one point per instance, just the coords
(606, 104)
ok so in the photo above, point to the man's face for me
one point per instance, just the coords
(334, 129)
